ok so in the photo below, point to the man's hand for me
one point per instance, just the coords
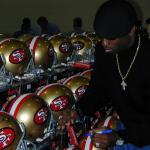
(104, 140)
(69, 116)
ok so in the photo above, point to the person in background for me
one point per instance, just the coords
(47, 27)
(121, 76)
(26, 28)
(148, 27)
(77, 25)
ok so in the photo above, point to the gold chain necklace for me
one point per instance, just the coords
(123, 78)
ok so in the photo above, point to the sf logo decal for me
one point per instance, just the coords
(6, 137)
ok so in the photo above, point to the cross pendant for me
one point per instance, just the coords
(123, 84)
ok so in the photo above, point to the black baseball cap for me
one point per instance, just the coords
(114, 19)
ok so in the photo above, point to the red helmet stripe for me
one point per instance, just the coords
(87, 72)
(88, 145)
(41, 91)
(107, 121)
(33, 46)
(6, 40)
(18, 103)
(110, 122)
(11, 104)
(83, 143)
(70, 78)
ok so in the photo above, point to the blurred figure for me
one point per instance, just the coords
(148, 27)
(26, 28)
(140, 28)
(47, 27)
(77, 25)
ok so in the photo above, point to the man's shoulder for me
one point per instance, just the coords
(53, 25)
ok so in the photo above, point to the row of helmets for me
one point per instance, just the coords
(18, 54)
(24, 121)
(37, 113)
(12, 131)
(32, 117)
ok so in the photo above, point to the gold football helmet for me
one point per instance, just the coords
(25, 37)
(77, 84)
(11, 133)
(62, 47)
(60, 100)
(4, 36)
(42, 52)
(93, 37)
(111, 122)
(82, 46)
(34, 113)
(15, 55)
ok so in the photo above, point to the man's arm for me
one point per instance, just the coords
(95, 96)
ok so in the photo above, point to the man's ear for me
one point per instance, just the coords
(133, 30)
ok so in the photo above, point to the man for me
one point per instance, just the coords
(47, 27)
(25, 28)
(121, 75)
(77, 25)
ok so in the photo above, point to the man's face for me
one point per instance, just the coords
(118, 44)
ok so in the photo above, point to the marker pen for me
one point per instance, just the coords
(99, 132)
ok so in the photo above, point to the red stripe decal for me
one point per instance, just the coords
(83, 143)
(20, 104)
(35, 48)
(42, 91)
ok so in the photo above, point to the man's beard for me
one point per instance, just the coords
(122, 47)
